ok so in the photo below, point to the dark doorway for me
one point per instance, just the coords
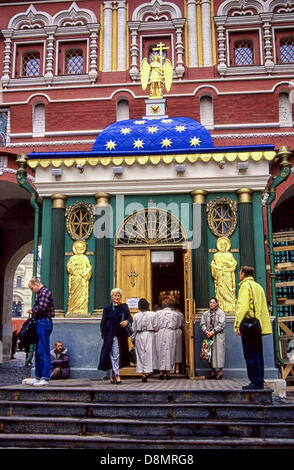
(168, 277)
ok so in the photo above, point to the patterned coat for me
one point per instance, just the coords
(219, 345)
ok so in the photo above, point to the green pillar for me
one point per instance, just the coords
(103, 224)
(246, 227)
(200, 254)
(57, 252)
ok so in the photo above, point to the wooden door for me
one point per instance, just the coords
(133, 276)
(189, 315)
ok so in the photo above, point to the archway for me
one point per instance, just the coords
(5, 342)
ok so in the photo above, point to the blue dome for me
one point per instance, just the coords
(143, 136)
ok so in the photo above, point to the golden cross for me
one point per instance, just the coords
(132, 274)
(160, 47)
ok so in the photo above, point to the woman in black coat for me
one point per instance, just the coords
(115, 350)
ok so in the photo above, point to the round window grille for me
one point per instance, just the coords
(79, 220)
(222, 216)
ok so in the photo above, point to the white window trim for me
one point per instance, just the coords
(29, 43)
(241, 31)
(71, 41)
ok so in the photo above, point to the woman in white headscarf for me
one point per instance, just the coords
(213, 323)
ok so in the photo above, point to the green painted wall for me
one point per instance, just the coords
(46, 240)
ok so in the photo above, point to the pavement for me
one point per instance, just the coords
(12, 373)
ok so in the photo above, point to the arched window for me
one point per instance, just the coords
(287, 50)
(122, 110)
(285, 110)
(19, 281)
(243, 52)
(31, 64)
(206, 111)
(73, 62)
(39, 120)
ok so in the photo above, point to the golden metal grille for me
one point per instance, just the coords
(222, 216)
(150, 227)
(79, 220)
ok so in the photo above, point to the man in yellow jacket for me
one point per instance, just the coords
(252, 302)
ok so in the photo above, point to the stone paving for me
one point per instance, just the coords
(12, 373)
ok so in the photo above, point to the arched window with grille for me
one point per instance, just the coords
(287, 50)
(31, 64)
(73, 62)
(243, 52)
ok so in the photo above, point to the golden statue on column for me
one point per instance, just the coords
(160, 71)
(80, 272)
(223, 267)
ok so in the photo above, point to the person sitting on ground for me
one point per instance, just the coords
(59, 362)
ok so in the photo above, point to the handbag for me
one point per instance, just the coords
(250, 326)
(27, 334)
(129, 330)
(205, 353)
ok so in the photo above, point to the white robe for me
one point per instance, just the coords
(144, 334)
(167, 321)
(179, 339)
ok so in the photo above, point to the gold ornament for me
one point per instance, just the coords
(223, 267)
(80, 272)
(160, 71)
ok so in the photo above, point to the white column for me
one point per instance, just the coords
(49, 72)
(222, 66)
(179, 25)
(206, 33)
(121, 35)
(93, 69)
(192, 33)
(134, 70)
(107, 37)
(267, 34)
(7, 33)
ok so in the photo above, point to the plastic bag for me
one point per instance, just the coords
(205, 353)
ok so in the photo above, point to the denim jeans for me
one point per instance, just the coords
(253, 354)
(44, 328)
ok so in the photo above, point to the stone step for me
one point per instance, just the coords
(107, 393)
(55, 441)
(176, 428)
(150, 410)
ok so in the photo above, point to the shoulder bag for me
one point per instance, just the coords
(250, 326)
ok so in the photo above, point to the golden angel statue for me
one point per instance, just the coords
(223, 267)
(160, 71)
(80, 272)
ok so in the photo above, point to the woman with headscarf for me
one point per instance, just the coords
(144, 336)
(213, 323)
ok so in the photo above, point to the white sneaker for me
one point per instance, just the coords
(30, 381)
(41, 383)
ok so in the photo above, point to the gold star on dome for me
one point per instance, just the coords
(152, 129)
(166, 121)
(180, 128)
(166, 143)
(138, 123)
(194, 141)
(125, 130)
(110, 145)
(138, 144)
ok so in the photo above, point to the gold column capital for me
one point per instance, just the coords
(58, 201)
(284, 153)
(102, 199)
(199, 196)
(244, 195)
